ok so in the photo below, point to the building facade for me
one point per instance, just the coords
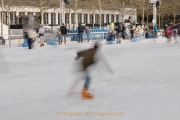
(51, 17)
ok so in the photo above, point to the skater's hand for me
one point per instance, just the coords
(76, 58)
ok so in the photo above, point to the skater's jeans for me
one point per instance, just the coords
(63, 35)
(29, 43)
(80, 36)
(88, 33)
(87, 83)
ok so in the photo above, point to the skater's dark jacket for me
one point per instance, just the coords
(88, 57)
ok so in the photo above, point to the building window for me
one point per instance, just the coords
(72, 18)
(45, 18)
(112, 18)
(85, 18)
(53, 18)
(12, 18)
(67, 18)
(4, 18)
(79, 18)
(117, 18)
(97, 18)
(20, 19)
(102, 18)
(107, 18)
(91, 18)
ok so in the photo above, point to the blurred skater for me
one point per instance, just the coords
(88, 60)
(30, 34)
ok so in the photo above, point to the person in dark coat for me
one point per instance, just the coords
(119, 33)
(80, 33)
(63, 32)
(123, 31)
(131, 30)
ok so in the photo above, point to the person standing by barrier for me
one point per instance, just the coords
(155, 30)
(63, 32)
(131, 30)
(80, 33)
(123, 31)
(41, 35)
(119, 34)
(126, 32)
(88, 32)
(146, 32)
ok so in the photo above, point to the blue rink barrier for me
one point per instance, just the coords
(24, 44)
(143, 37)
(176, 35)
(53, 42)
(134, 39)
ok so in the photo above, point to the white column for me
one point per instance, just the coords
(82, 16)
(0, 15)
(25, 13)
(115, 18)
(49, 18)
(17, 14)
(109, 18)
(70, 20)
(63, 18)
(94, 18)
(56, 18)
(14, 17)
(76, 20)
(88, 18)
(120, 17)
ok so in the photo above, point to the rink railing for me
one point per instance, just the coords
(13, 39)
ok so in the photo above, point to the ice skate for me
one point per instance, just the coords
(64, 42)
(86, 95)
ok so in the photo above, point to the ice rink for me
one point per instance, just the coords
(145, 84)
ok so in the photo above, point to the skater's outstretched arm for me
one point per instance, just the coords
(80, 54)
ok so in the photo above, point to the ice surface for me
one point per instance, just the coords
(145, 85)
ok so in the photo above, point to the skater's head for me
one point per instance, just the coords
(62, 24)
(96, 46)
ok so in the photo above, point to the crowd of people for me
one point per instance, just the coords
(122, 32)
(131, 31)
